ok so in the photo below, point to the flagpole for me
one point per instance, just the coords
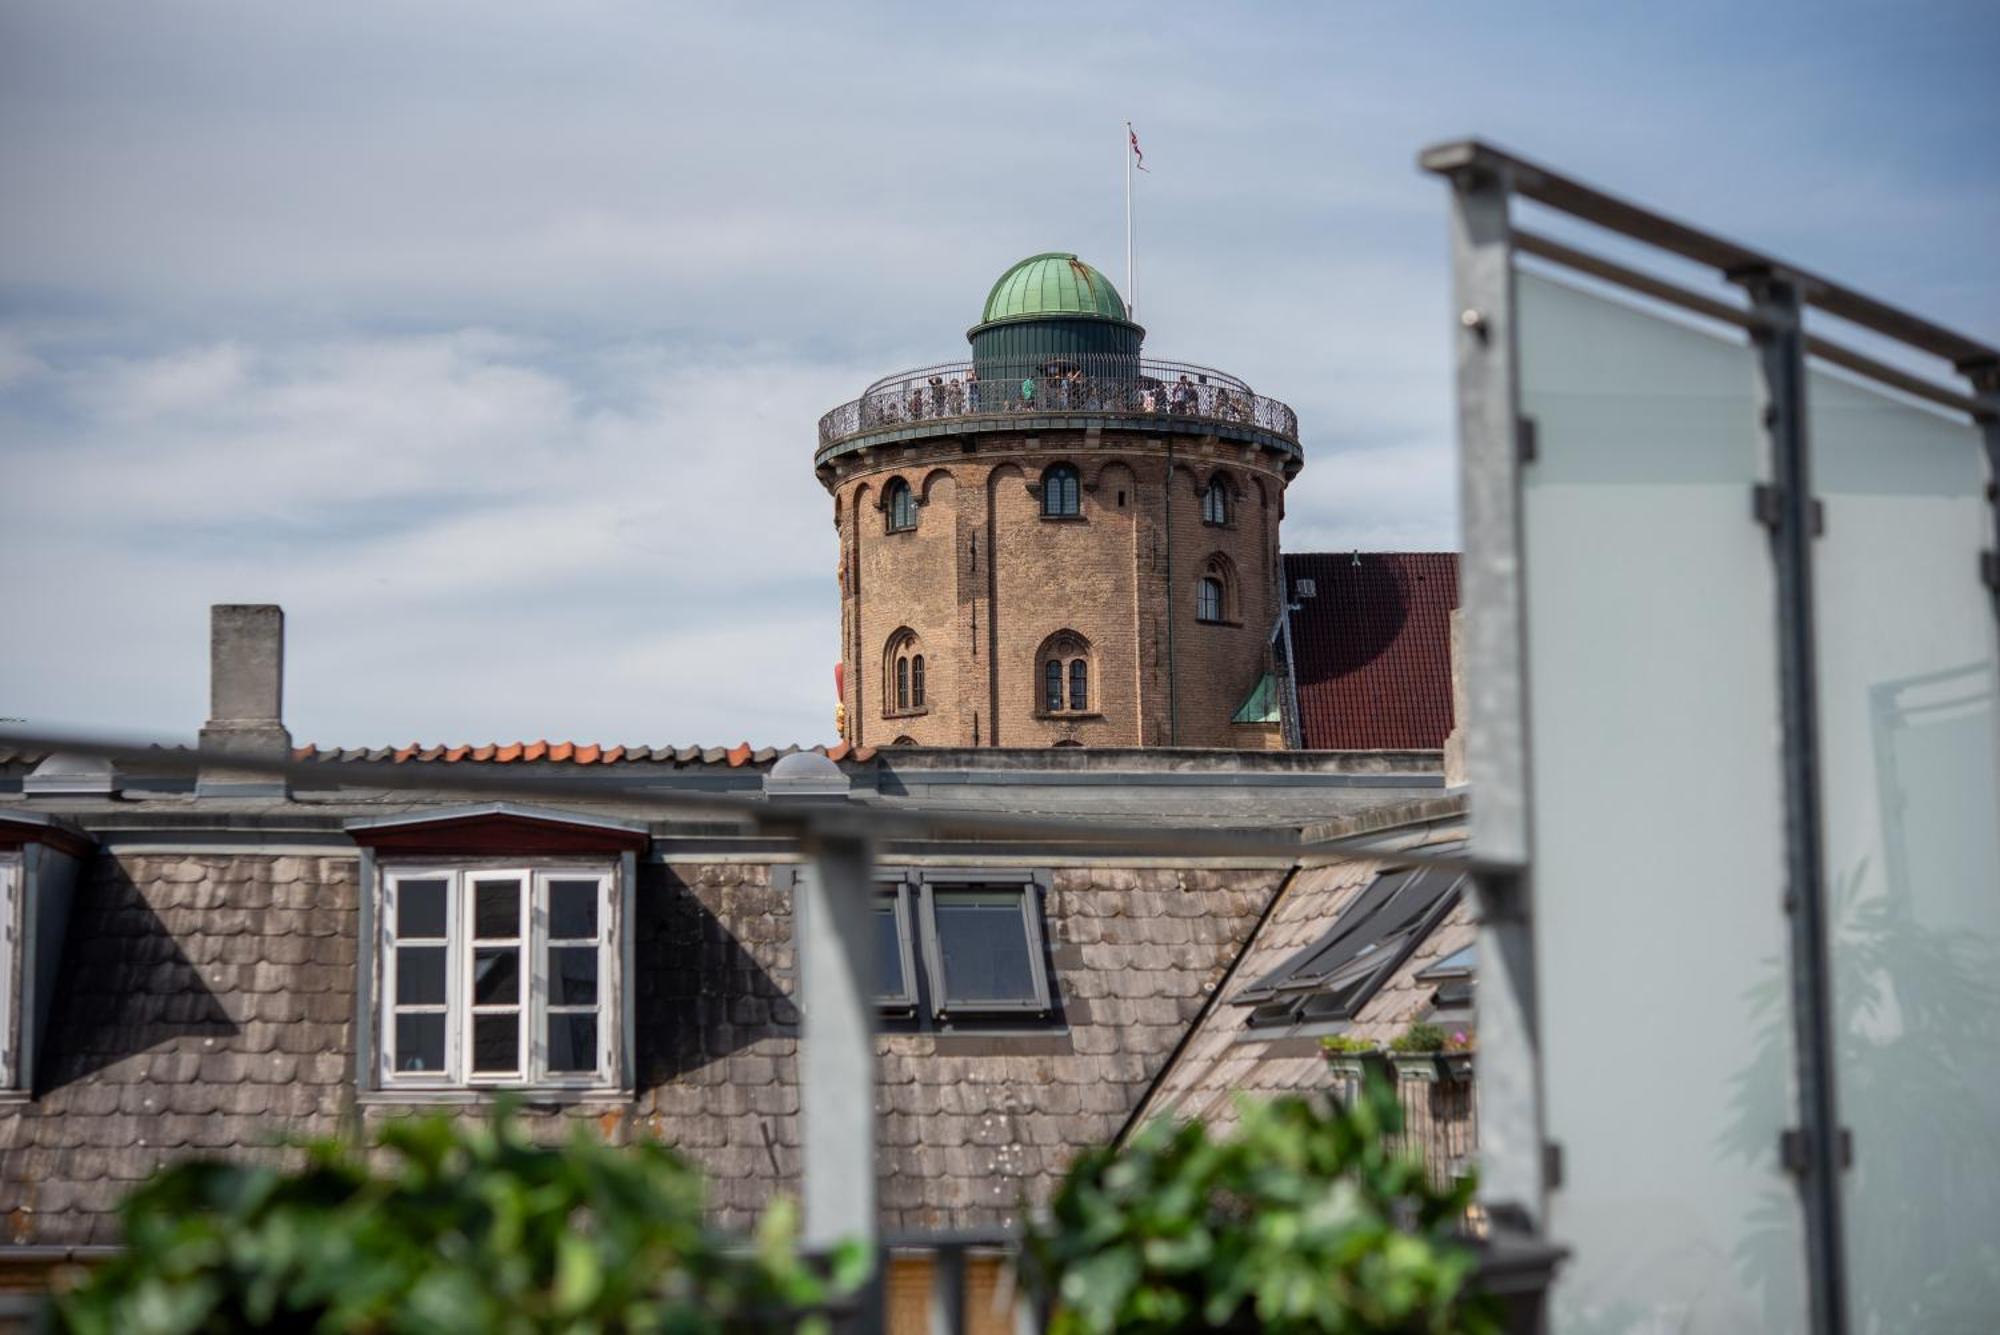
(1131, 283)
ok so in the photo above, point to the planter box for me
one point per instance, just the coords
(1433, 1065)
(1356, 1065)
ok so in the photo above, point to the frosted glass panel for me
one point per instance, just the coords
(1906, 670)
(1658, 823)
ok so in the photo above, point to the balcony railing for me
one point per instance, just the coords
(1083, 385)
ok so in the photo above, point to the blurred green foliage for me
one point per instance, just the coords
(1305, 1219)
(450, 1226)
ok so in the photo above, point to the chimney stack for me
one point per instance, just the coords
(246, 692)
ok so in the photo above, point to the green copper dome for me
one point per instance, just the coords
(1053, 284)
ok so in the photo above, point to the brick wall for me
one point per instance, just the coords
(985, 580)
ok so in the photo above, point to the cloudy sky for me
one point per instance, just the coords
(489, 338)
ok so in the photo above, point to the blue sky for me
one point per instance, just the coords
(489, 339)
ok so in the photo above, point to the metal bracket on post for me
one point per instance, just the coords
(1786, 506)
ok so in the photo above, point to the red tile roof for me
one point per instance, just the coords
(578, 753)
(1373, 648)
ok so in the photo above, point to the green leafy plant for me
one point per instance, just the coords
(450, 1227)
(1341, 1045)
(1419, 1037)
(1304, 1221)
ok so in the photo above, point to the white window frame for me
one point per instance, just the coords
(531, 1068)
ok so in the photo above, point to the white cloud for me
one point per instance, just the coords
(491, 339)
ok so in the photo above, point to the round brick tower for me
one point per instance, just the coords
(1060, 541)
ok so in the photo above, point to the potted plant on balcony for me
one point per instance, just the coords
(1456, 1060)
(1353, 1057)
(1418, 1051)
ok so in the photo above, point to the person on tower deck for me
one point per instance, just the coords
(1184, 397)
(955, 397)
(917, 403)
(972, 389)
(1028, 390)
(937, 396)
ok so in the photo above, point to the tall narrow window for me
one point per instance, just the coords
(1208, 599)
(917, 682)
(1215, 502)
(572, 1027)
(902, 682)
(902, 504)
(1079, 684)
(419, 973)
(1060, 493)
(497, 932)
(1052, 672)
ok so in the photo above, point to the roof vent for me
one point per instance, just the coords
(67, 774)
(1305, 588)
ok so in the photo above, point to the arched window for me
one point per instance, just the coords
(902, 506)
(903, 687)
(1208, 599)
(1061, 494)
(1064, 665)
(1215, 502)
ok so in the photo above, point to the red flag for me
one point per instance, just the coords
(1136, 151)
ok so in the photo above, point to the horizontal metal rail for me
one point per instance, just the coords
(1122, 387)
(861, 818)
(1532, 181)
(1531, 243)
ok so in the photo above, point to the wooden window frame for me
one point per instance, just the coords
(531, 1069)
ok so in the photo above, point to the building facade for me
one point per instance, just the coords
(1058, 542)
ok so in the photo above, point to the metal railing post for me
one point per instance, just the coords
(836, 943)
(1778, 329)
(1513, 1156)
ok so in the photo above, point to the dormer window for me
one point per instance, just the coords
(500, 952)
(497, 975)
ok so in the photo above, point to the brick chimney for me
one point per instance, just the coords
(246, 693)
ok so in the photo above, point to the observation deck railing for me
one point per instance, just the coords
(1109, 385)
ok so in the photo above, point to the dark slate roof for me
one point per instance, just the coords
(206, 1005)
(1373, 648)
(1224, 1056)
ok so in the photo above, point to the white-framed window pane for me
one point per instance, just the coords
(572, 1038)
(573, 909)
(420, 908)
(496, 976)
(572, 976)
(419, 1042)
(421, 974)
(496, 909)
(496, 1042)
